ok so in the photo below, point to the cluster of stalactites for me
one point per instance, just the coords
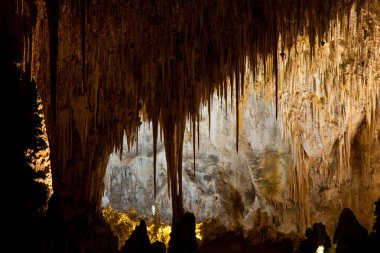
(325, 99)
(104, 66)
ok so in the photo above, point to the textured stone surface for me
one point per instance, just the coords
(226, 184)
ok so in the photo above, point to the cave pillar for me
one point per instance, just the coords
(79, 143)
(173, 134)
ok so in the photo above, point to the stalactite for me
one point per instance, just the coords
(155, 130)
(341, 93)
(225, 95)
(83, 34)
(237, 84)
(52, 11)
(137, 142)
(198, 128)
(194, 124)
(275, 71)
(209, 115)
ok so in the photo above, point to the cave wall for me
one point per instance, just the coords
(223, 184)
(24, 150)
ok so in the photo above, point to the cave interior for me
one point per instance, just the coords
(298, 84)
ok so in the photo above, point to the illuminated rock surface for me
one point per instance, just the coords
(225, 184)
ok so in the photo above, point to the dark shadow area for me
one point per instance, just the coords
(23, 198)
(28, 227)
(315, 237)
(350, 235)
